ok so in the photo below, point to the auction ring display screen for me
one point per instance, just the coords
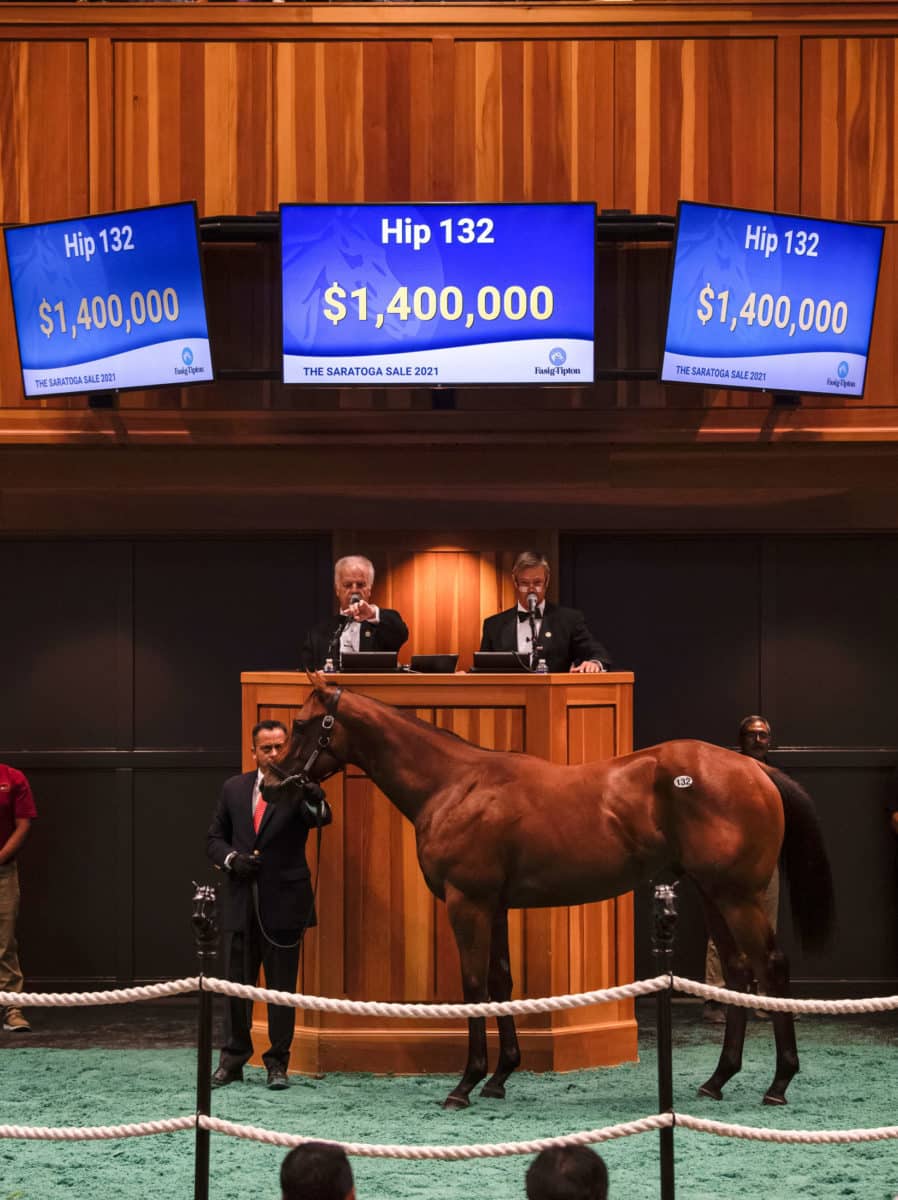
(766, 301)
(104, 303)
(436, 294)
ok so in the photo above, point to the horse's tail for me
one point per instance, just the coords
(805, 863)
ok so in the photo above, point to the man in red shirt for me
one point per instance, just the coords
(17, 811)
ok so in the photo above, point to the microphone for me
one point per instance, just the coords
(532, 606)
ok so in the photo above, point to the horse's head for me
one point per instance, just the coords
(314, 752)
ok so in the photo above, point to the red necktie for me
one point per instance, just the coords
(259, 811)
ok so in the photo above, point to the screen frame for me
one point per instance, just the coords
(436, 385)
(116, 213)
(788, 393)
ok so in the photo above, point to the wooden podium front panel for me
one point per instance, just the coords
(383, 936)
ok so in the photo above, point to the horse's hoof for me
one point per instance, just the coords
(453, 1102)
(493, 1091)
(709, 1090)
(772, 1098)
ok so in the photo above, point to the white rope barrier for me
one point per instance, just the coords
(96, 1133)
(492, 1008)
(424, 1011)
(505, 1008)
(607, 1133)
(445, 1153)
(780, 1004)
(803, 1137)
(153, 991)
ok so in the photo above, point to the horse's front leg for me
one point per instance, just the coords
(500, 986)
(471, 923)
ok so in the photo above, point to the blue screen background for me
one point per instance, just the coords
(552, 244)
(166, 254)
(710, 248)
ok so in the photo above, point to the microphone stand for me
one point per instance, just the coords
(532, 605)
(333, 646)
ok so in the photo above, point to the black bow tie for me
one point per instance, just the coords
(525, 616)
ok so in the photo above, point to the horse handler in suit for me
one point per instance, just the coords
(559, 635)
(267, 903)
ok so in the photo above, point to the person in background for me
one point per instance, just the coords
(317, 1171)
(567, 1173)
(17, 811)
(561, 636)
(266, 903)
(755, 736)
(360, 625)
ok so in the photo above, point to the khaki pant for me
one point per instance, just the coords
(10, 972)
(713, 970)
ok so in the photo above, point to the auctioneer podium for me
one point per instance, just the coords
(381, 934)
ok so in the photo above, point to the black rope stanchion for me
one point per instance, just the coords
(665, 921)
(205, 931)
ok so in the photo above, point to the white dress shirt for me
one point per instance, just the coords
(524, 646)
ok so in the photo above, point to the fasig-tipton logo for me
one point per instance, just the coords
(188, 369)
(842, 382)
(557, 357)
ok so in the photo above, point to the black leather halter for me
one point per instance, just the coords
(328, 720)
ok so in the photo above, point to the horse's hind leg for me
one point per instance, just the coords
(738, 975)
(500, 985)
(777, 984)
(471, 927)
(755, 938)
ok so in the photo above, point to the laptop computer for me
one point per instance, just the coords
(434, 664)
(500, 661)
(368, 660)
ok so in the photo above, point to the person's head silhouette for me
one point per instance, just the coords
(567, 1173)
(317, 1171)
(755, 736)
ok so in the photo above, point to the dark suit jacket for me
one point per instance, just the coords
(389, 633)
(285, 887)
(563, 636)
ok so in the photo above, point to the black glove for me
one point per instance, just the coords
(314, 808)
(245, 866)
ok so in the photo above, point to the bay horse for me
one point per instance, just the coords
(497, 830)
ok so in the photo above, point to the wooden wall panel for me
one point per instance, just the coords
(694, 119)
(44, 160)
(194, 121)
(534, 120)
(849, 160)
(43, 130)
(353, 121)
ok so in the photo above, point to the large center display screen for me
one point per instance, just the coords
(772, 302)
(110, 302)
(427, 295)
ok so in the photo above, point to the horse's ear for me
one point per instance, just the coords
(317, 680)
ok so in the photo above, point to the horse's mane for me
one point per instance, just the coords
(410, 717)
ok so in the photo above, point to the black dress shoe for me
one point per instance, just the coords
(222, 1076)
(277, 1079)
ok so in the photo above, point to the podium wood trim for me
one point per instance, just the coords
(382, 936)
